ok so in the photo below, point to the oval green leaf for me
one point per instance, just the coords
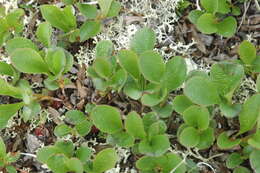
(152, 66)
(143, 40)
(202, 91)
(107, 119)
(28, 60)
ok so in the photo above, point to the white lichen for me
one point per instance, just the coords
(161, 16)
(9, 5)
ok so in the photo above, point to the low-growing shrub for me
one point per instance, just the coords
(139, 72)
(64, 157)
(6, 159)
(214, 19)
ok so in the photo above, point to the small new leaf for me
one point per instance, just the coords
(247, 52)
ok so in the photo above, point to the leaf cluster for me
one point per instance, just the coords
(6, 159)
(63, 157)
(214, 18)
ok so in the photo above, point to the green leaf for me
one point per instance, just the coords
(107, 119)
(89, 29)
(234, 160)
(149, 119)
(65, 147)
(51, 84)
(6, 69)
(10, 169)
(194, 73)
(197, 116)
(114, 9)
(69, 62)
(134, 125)
(224, 142)
(75, 117)
(181, 103)
(165, 163)
(2, 148)
(189, 137)
(122, 139)
(56, 60)
(12, 157)
(207, 139)
(247, 52)
(157, 128)
(152, 66)
(9, 90)
(154, 99)
(30, 111)
(7, 111)
(83, 128)
(57, 163)
(14, 20)
(254, 141)
(227, 76)
(129, 61)
(236, 11)
(43, 154)
(118, 79)
(241, 169)
(223, 7)
(74, 165)
(202, 91)
(258, 83)
(103, 67)
(146, 163)
(175, 73)
(100, 84)
(173, 161)
(68, 2)
(256, 64)
(230, 110)
(209, 5)
(62, 130)
(105, 160)
(132, 90)
(207, 23)
(44, 33)
(254, 160)
(83, 153)
(143, 40)
(19, 42)
(227, 27)
(164, 111)
(53, 15)
(194, 16)
(89, 11)
(28, 60)
(250, 113)
(105, 6)
(104, 49)
(156, 146)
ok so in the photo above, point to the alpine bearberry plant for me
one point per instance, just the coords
(139, 72)
(63, 157)
(93, 18)
(6, 159)
(214, 17)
